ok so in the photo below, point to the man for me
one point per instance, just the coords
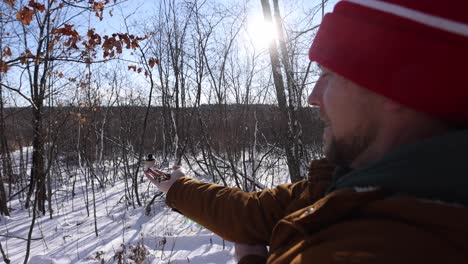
(394, 97)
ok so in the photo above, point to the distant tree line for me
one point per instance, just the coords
(104, 131)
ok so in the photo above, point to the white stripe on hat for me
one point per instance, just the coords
(416, 16)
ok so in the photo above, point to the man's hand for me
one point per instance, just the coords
(164, 180)
(243, 250)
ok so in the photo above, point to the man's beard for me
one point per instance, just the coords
(342, 152)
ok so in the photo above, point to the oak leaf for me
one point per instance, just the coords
(25, 15)
(36, 5)
(98, 6)
(3, 66)
(9, 2)
(90, 33)
(152, 62)
(66, 30)
(7, 52)
(51, 45)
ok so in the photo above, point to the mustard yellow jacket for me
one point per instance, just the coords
(301, 225)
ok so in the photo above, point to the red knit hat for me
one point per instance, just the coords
(412, 51)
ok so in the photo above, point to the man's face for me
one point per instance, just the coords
(350, 114)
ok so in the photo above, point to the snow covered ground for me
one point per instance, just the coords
(125, 234)
(69, 237)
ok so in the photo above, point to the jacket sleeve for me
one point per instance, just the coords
(231, 213)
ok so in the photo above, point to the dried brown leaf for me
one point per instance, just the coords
(3, 66)
(36, 5)
(7, 52)
(11, 3)
(151, 62)
(25, 15)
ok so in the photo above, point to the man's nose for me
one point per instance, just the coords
(315, 97)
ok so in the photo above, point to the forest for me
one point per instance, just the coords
(89, 88)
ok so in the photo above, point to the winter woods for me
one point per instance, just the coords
(88, 88)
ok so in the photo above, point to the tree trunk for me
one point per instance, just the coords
(3, 199)
(6, 162)
(290, 146)
(37, 180)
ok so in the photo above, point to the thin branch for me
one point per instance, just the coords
(20, 93)
(25, 239)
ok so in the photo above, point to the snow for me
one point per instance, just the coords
(69, 237)
(164, 236)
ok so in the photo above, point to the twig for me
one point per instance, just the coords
(148, 206)
(5, 258)
(25, 239)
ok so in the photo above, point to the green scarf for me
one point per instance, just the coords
(434, 168)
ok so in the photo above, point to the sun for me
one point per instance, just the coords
(261, 32)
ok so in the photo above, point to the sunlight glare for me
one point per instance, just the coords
(261, 32)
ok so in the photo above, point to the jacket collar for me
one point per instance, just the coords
(435, 168)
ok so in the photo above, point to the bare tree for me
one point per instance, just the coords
(286, 105)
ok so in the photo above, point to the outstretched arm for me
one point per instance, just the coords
(231, 213)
